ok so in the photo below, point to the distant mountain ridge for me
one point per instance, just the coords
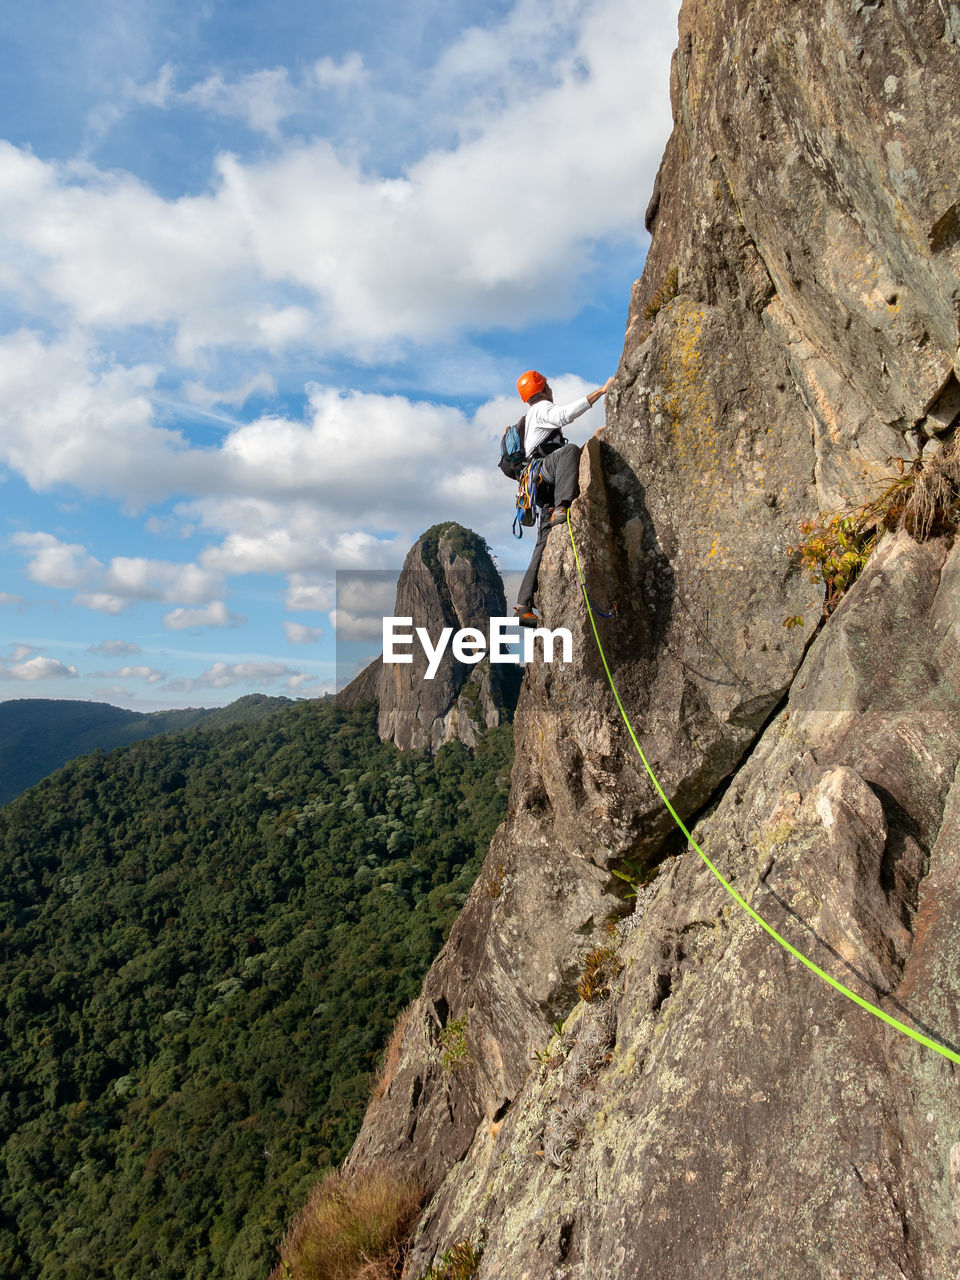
(39, 735)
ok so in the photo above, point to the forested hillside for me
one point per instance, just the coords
(205, 939)
(38, 735)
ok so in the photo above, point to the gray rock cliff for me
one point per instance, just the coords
(714, 1109)
(448, 580)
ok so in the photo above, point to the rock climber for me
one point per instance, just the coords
(559, 471)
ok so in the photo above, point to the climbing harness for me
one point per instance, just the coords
(838, 986)
(527, 496)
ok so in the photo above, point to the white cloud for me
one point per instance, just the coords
(169, 527)
(348, 74)
(112, 588)
(262, 99)
(140, 578)
(156, 93)
(57, 564)
(73, 417)
(310, 247)
(261, 383)
(220, 675)
(552, 120)
(21, 651)
(285, 496)
(215, 615)
(363, 601)
(116, 648)
(306, 593)
(307, 686)
(101, 602)
(150, 674)
(10, 597)
(38, 669)
(297, 633)
(356, 626)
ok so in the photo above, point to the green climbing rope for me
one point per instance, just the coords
(838, 986)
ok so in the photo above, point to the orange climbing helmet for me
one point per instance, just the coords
(530, 384)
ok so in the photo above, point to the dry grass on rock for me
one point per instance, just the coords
(353, 1227)
(932, 503)
(391, 1054)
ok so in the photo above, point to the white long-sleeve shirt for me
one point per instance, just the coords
(544, 417)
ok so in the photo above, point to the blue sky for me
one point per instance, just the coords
(268, 274)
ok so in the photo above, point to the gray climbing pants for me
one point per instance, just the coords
(559, 485)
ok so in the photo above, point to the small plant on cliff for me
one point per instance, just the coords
(391, 1054)
(600, 967)
(834, 549)
(453, 1043)
(669, 289)
(931, 505)
(564, 1131)
(923, 500)
(461, 1262)
(637, 877)
(354, 1226)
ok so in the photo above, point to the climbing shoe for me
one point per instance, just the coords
(557, 516)
(526, 617)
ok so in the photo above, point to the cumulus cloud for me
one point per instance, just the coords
(308, 686)
(112, 588)
(75, 417)
(356, 626)
(283, 496)
(307, 593)
(363, 601)
(310, 246)
(352, 454)
(221, 675)
(214, 615)
(101, 601)
(309, 250)
(57, 564)
(38, 669)
(140, 578)
(150, 674)
(394, 463)
(21, 651)
(297, 633)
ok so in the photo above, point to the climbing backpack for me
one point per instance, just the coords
(527, 496)
(512, 455)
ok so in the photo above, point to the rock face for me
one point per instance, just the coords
(718, 1110)
(448, 580)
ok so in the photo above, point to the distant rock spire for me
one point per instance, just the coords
(448, 580)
